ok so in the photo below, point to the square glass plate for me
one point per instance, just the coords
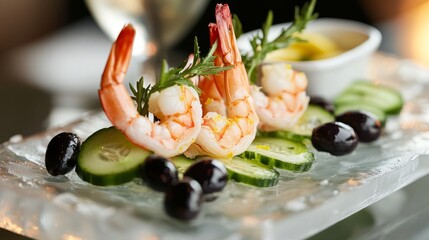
(37, 205)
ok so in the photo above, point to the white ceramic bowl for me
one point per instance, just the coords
(328, 77)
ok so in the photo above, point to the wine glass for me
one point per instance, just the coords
(159, 24)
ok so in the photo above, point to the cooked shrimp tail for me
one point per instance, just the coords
(227, 135)
(177, 107)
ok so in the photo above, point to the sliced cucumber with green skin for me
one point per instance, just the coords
(358, 106)
(251, 172)
(314, 116)
(284, 135)
(382, 97)
(108, 158)
(182, 163)
(280, 153)
(240, 170)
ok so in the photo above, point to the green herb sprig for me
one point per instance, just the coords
(260, 44)
(176, 76)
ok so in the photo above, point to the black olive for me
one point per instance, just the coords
(61, 153)
(158, 172)
(323, 103)
(366, 126)
(183, 200)
(209, 173)
(335, 138)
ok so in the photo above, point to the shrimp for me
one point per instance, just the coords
(283, 100)
(178, 108)
(213, 94)
(211, 97)
(227, 135)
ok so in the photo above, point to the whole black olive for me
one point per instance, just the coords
(183, 200)
(158, 172)
(61, 153)
(209, 173)
(335, 138)
(366, 126)
(323, 103)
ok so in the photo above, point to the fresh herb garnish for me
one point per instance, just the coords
(260, 44)
(176, 76)
(141, 96)
(238, 28)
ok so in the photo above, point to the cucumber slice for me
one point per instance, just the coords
(240, 170)
(251, 172)
(280, 153)
(108, 158)
(312, 117)
(182, 163)
(358, 106)
(382, 97)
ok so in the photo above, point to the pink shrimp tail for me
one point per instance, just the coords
(119, 57)
(234, 80)
(227, 39)
(121, 108)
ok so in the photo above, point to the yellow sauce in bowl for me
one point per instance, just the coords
(315, 47)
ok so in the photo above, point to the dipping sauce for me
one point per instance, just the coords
(315, 47)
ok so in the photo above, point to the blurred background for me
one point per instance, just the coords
(52, 53)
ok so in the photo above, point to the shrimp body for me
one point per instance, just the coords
(229, 130)
(211, 97)
(284, 98)
(178, 107)
(213, 86)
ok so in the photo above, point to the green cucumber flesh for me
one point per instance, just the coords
(382, 97)
(313, 117)
(280, 153)
(240, 170)
(358, 106)
(107, 157)
(251, 172)
(182, 163)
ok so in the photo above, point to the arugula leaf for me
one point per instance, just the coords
(261, 46)
(177, 76)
